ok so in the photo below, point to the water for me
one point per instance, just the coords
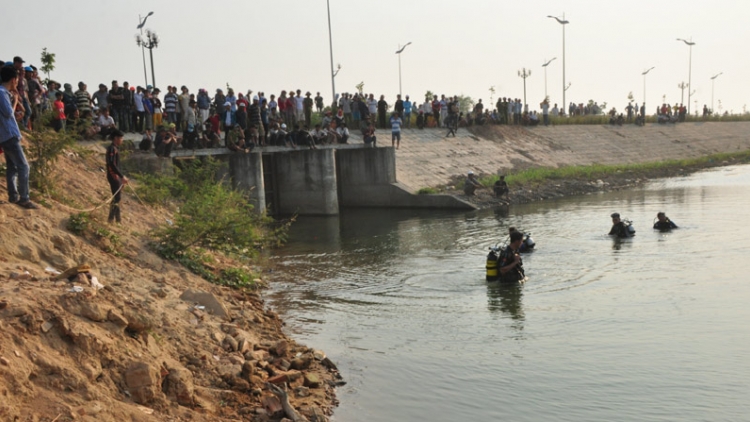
(646, 329)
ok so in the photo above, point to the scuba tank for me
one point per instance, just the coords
(629, 227)
(493, 272)
(529, 242)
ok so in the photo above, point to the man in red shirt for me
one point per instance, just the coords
(436, 110)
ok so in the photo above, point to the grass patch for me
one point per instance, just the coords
(427, 191)
(597, 171)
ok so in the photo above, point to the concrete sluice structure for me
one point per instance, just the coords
(280, 181)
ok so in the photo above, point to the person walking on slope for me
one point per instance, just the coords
(396, 123)
(116, 179)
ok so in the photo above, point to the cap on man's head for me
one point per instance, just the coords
(615, 215)
(172, 125)
(28, 69)
(18, 59)
(227, 104)
(81, 84)
(283, 125)
(255, 98)
(471, 172)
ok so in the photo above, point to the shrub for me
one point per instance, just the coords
(44, 149)
(78, 223)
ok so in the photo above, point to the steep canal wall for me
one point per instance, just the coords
(428, 158)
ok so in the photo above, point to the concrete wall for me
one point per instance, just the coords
(246, 172)
(306, 182)
(367, 178)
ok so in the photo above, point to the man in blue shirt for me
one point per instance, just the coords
(10, 140)
(407, 112)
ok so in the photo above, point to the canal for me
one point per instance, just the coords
(652, 328)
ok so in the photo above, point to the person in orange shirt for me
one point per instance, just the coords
(58, 122)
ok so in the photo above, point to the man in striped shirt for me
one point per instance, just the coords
(83, 101)
(170, 104)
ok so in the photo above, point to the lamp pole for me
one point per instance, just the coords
(644, 73)
(713, 79)
(400, 50)
(562, 22)
(143, 50)
(524, 73)
(330, 45)
(690, 66)
(682, 86)
(545, 75)
(151, 41)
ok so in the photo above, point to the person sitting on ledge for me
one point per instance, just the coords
(664, 223)
(236, 139)
(368, 135)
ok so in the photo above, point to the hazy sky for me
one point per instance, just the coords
(458, 47)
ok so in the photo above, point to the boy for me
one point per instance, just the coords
(58, 122)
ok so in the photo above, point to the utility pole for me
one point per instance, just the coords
(524, 73)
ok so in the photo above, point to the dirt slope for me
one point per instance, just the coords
(156, 343)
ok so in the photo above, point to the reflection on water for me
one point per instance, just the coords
(648, 328)
(506, 298)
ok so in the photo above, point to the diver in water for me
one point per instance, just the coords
(527, 244)
(510, 263)
(619, 228)
(664, 222)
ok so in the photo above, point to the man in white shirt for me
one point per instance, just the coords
(555, 111)
(372, 106)
(140, 112)
(299, 107)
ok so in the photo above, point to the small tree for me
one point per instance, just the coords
(360, 88)
(465, 103)
(429, 95)
(48, 62)
(630, 96)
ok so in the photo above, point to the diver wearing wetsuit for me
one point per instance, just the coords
(510, 263)
(664, 222)
(619, 228)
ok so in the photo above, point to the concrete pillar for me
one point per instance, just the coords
(246, 173)
(306, 182)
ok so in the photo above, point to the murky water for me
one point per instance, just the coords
(651, 328)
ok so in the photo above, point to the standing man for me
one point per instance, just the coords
(114, 176)
(116, 101)
(308, 107)
(140, 111)
(204, 103)
(399, 106)
(83, 101)
(319, 102)
(407, 112)
(184, 100)
(382, 109)
(100, 97)
(17, 168)
(396, 123)
(127, 101)
(170, 104)
(299, 115)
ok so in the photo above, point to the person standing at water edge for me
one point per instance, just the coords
(619, 228)
(114, 176)
(17, 168)
(664, 222)
(510, 263)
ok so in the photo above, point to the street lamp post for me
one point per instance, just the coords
(562, 22)
(545, 75)
(330, 45)
(524, 73)
(690, 66)
(143, 51)
(713, 79)
(682, 86)
(400, 50)
(644, 73)
(151, 41)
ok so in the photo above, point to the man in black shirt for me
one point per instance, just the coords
(664, 222)
(510, 263)
(114, 176)
(619, 228)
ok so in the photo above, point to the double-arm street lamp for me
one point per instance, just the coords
(330, 44)
(524, 73)
(150, 41)
(545, 75)
(690, 66)
(400, 50)
(644, 73)
(562, 22)
(713, 79)
(141, 23)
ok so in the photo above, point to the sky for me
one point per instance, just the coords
(458, 47)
